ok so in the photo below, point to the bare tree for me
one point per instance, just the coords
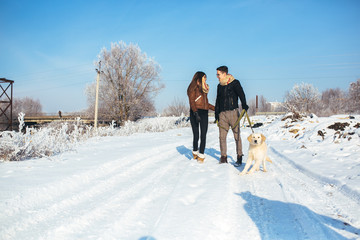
(145, 109)
(263, 105)
(302, 98)
(333, 101)
(129, 80)
(27, 105)
(176, 108)
(252, 107)
(354, 97)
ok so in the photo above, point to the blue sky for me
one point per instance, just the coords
(49, 47)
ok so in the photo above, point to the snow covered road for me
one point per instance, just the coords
(146, 186)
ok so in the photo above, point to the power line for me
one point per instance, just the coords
(295, 78)
(52, 70)
(50, 88)
(69, 76)
(273, 78)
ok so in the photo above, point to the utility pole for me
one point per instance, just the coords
(257, 104)
(97, 96)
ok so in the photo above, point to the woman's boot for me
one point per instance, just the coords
(201, 158)
(195, 154)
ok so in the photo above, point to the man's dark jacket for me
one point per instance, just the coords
(227, 97)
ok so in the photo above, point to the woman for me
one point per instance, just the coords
(199, 108)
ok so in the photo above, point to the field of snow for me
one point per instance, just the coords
(146, 186)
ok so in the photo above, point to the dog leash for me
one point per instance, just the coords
(243, 112)
(248, 118)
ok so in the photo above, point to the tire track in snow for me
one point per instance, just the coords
(54, 190)
(165, 205)
(212, 223)
(105, 181)
(295, 186)
(190, 191)
(276, 219)
(55, 199)
(206, 211)
(280, 193)
(132, 204)
(324, 191)
(224, 215)
(350, 193)
(274, 209)
(256, 206)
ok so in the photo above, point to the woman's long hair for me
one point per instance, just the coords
(196, 81)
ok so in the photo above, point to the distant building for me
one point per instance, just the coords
(276, 106)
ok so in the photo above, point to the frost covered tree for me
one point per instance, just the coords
(263, 105)
(333, 101)
(129, 80)
(302, 97)
(354, 97)
(27, 105)
(252, 107)
(176, 108)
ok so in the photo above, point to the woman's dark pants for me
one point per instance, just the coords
(203, 129)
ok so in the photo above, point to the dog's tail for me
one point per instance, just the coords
(268, 159)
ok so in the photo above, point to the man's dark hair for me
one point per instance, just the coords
(223, 69)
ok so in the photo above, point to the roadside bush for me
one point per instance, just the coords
(56, 138)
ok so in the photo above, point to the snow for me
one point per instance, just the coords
(146, 186)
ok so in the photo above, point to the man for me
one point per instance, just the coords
(227, 113)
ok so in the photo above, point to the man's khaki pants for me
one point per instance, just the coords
(227, 120)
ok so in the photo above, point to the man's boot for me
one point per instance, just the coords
(223, 159)
(239, 161)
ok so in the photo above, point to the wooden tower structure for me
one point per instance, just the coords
(6, 101)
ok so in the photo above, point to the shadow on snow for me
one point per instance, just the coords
(185, 151)
(212, 152)
(281, 220)
(147, 238)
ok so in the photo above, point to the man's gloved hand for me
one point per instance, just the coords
(246, 107)
(197, 117)
(216, 117)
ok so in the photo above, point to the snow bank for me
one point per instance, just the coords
(51, 140)
(147, 185)
(327, 149)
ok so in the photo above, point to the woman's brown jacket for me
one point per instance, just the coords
(198, 100)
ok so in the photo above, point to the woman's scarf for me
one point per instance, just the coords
(205, 86)
(228, 79)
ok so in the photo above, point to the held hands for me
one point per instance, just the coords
(197, 117)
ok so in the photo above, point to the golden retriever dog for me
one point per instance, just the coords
(257, 153)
